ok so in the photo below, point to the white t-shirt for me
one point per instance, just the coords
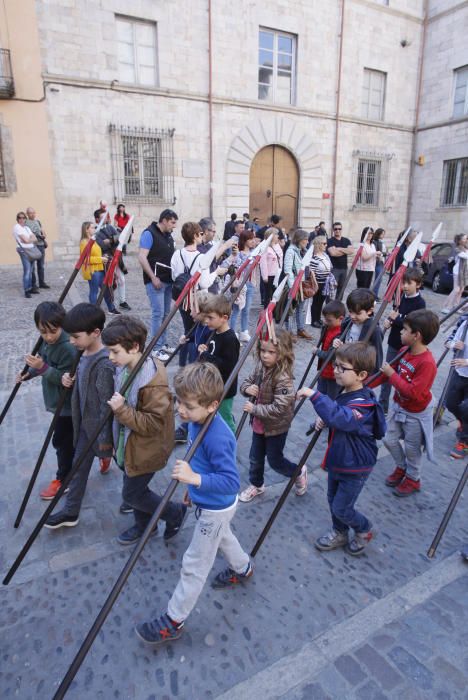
(25, 232)
(183, 258)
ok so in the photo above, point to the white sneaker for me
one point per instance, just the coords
(445, 311)
(244, 336)
(251, 492)
(161, 355)
(302, 480)
(168, 348)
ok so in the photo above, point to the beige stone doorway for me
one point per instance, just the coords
(274, 186)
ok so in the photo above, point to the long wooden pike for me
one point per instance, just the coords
(448, 513)
(84, 256)
(128, 382)
(126, 571)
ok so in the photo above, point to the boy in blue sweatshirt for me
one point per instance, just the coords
(356, 421)
(213, 484)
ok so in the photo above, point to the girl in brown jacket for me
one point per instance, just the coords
(271, 386)
(143, 426)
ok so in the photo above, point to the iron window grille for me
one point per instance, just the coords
(7, 86)
(3, 187)
(142, 164)
(370, 180)
(454, 191)
(276, 66)
(460, 97)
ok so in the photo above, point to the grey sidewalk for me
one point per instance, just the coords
(297, 599)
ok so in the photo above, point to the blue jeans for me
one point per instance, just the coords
(343, 492)
(27, 270)
(378, 270)
(95, 284)
(299, 314)
(160, 302)
(245, 311)
(272, 448)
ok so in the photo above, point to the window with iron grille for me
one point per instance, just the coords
(2, 169)
(142, 164)
(370, 180)
(460, 99)
(373, 94)
(276, 66)
(137, 51)
(455, 183)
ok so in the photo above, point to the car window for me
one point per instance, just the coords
(442, 250)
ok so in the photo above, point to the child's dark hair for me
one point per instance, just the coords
(49, 314)
(334, 308)
(84, 318)
(218, 304)
(201, 381)
(285, 353)
(413, 274)
(360, 300)
(361, 356)
(125, 331)
(424, 322)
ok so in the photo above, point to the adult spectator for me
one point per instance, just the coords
(229, 227)
(291, 267)
(380, 248)
(460, 271)
(33, 223)
(239, 227)
(154, 255)
(338, 249)
(273, 222)
(320, 265)
(108, 238)
(319, 230)
(367, 260)
(271, 263)
(121, 219)
(239, 253)
(26, 240)
(93, 269)
(208, 227)
(256, 224)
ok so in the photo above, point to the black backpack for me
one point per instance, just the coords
(182, 279)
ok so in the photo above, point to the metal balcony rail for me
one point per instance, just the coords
(7, 85)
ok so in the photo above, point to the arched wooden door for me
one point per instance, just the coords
(274, 186)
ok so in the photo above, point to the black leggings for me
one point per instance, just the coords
(364, 279)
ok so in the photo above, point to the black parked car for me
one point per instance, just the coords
(438, 273)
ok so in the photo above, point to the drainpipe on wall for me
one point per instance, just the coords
(210, 105)
(338, 95)
(416, 116)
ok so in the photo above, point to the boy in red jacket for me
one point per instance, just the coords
(410, 419)
(333, 314)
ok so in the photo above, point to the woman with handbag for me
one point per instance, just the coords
(271, 263)
(320, 268)
(93, 268)
(28, 252)
(369, 256)
(292, 265)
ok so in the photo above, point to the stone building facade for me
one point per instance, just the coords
(160, 104)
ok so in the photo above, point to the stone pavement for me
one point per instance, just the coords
(309, 625)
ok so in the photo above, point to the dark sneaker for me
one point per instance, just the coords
(125, 508)
(359, 543)
(407, 487)
(35, 290)
(172, 529)
(230, 578)
(27, 295)
(44, 286)
(396, 477)
(159, 631)
(180, 436)
(331, 540)
(61, 519)
(125, 306)
(114, 311)
(132, 535)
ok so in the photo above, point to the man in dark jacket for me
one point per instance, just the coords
(356, 421)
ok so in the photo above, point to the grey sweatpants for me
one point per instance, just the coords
(212, 532)
(78, 483)
(410, 432)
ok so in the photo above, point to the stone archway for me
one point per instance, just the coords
(282, 131)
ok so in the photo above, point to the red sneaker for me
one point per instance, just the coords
(459, 451)
(105, 463)
(407, 487)
(396, 477)
(48, 493)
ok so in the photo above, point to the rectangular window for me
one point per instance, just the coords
(137, 51)
(460, 100)
(276, 66)
(455, 183)
(142, 164)
(368, 182)
(373, 94)
(2, 170)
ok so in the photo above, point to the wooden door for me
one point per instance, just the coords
(274, 186)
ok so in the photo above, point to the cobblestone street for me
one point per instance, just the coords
(309, 626)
